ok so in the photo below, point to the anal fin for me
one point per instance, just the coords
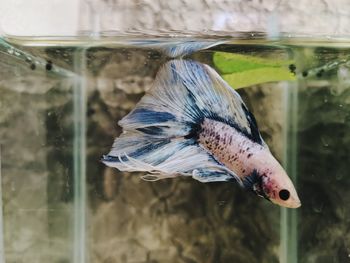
(214, 174)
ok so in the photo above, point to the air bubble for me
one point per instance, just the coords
(317, 208)
(221, 203)
(324, 141)
(343, 73)
(339, 176)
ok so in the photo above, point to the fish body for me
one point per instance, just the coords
(244, 157)
(192, 123)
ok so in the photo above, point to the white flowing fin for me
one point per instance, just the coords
(158, 134)
(184, 93)
(165, 158)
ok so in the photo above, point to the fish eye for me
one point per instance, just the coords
(284, 194)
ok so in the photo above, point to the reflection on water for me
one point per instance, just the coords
(60, 204)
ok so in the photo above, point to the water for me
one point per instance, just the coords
(60, 204)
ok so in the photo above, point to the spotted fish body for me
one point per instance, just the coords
(241, 155)
(229, 147)
(192, 123)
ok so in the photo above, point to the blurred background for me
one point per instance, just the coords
(67, 18)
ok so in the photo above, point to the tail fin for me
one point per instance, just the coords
(155, 132)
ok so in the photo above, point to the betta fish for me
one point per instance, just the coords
(192, 123)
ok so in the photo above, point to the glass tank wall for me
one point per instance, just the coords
(60, 101)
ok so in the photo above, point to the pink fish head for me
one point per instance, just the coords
(276, 186)
(268, 179)
(279, 189)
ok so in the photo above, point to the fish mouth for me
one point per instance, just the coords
(297, 205)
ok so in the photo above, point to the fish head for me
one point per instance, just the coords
(279, 189)
(273, 185)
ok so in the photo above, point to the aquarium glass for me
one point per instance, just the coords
(60, 103)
